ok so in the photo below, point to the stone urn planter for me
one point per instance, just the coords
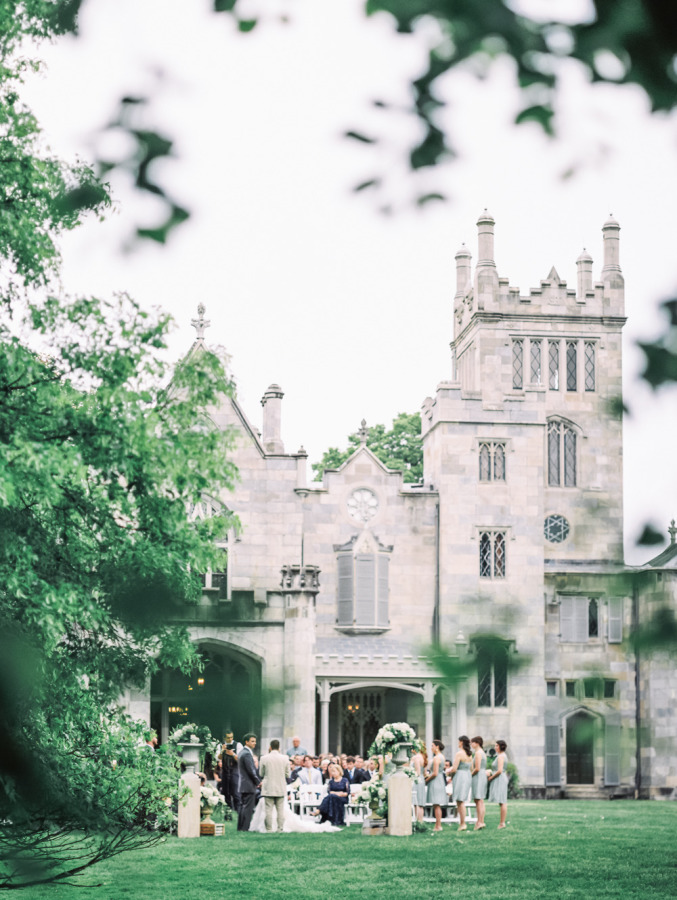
(190, 754)
(401, 757)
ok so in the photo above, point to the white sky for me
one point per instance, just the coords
(307, 284)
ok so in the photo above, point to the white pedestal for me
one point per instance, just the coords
(399, 804)
(189, 807)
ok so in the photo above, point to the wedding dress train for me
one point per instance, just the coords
(292, 822)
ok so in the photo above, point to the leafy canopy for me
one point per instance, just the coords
(399, 448)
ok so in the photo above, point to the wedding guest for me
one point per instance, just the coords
(296, 749)
(419, 761)
(230, 776)
(479, 779)
(333, 806)
(353, 774)
(498, 781)
(460, 772)
(324, 770)
(437, 791)
(308, 774)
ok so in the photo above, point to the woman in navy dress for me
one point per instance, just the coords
(333, 806)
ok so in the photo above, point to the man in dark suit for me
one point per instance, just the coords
(249, 782)
(354, 776)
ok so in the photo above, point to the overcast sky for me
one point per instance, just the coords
(310, 285)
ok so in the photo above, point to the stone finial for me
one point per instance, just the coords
(610, 232)
(200, 324)
(584, 268)
(272, 419)
(363, 432)
(672, 531)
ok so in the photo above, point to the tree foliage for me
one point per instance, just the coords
(104, 449)
(399, 448)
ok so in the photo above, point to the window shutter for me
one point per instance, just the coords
(566, 619)
(365, 589)
(383, 570)
(612, 750)
(615, 625)
(344, 604)
(553, 777)
(581, 619)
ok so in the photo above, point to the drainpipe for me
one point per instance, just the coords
(435, 631)
(638, 714)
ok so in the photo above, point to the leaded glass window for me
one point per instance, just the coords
(589, 366)
(492, 674)
(561, 455)
(485, 555)
(571, 366)
(553, 365)
(492, 461)
(554, 429)
(556, 529)
(518, 365)
(593, 619)
(499, 462)
(492, 554)
(569, 457)
(535, 356)
(485, 462)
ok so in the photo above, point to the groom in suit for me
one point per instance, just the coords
(249, 782)
(274, 769)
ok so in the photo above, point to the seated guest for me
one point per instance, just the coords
(308, 774)
(324, 770)
(296, 768)
(372, 769)
(353, 774)
(333, 806)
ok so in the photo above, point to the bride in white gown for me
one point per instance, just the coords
(292, 822)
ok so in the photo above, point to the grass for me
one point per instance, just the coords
(560, 849)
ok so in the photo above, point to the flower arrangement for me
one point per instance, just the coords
(209, 796)
(192, 734)
(374, 792)
(389, 738)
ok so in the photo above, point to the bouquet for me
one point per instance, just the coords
(209, 796)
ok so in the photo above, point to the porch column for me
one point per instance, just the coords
(324, 715)
(428, 700)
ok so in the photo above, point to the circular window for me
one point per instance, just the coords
(556, 529)
(362, 505)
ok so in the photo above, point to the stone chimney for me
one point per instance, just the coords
(463, 258)
(612, 277)
(584, 266)
(486, 276)
(272, 419)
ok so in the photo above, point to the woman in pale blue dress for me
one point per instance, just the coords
(437, 787)
(460, 772)
(479, 779)
(418, 789)
(498, 781)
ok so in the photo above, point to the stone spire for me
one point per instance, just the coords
(363, 433)
(672, 531)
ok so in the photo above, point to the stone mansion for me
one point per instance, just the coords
(508, 554)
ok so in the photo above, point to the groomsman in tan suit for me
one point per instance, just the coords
(274, 768)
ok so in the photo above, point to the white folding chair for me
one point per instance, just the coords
(310, 797)
(355, 809)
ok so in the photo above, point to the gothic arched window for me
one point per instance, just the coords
(561, 455)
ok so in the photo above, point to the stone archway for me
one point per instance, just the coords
(226, 694)
(580, 748)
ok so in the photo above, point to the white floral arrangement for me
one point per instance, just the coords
(372, 791)
(190, 733)
(389, 738)
(410, 772)
(209, 796)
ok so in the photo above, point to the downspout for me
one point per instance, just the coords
(435, 631)
(638, 714)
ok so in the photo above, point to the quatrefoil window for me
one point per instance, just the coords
(362, 505)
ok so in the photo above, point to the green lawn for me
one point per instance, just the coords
(562, 849)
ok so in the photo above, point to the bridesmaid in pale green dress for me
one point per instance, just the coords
(498, 781)
(460, 772)
(437, 787)
(479, 779)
